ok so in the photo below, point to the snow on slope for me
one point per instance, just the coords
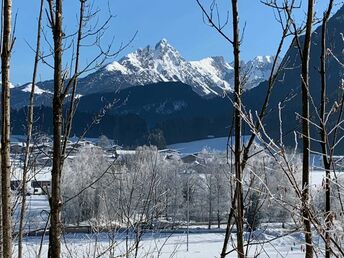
(258, 70)
(163, 63)
(11, 85)
(38, 91)
(212, 144)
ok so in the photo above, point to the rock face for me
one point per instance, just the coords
(163, 63)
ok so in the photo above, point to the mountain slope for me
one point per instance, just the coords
(287, 89)
(172, 111)
(156, 102)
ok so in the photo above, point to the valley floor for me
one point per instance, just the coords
(202, 242)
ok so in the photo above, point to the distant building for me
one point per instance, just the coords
(40, 186)
(189, 158)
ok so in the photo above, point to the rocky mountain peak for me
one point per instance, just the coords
(163, 63)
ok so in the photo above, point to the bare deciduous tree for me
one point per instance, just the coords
(239, 218)
(29, 135)
(7, 44)
(327, 159)
(305, 128)
(241, 155)
(56, 18)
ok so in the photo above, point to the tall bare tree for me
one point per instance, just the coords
(7, 43)
(1, 231)
(55, 8)
(305, 129)
(65, 88)
(238, 132)
(29, 134)
(237, 202)
(327, 159)
(241, 155)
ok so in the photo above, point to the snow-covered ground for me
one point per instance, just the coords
(36, 212)
(211, 144)
(202, 243)
(165, 245)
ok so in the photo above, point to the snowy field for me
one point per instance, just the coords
(165, 245)
(201, 244)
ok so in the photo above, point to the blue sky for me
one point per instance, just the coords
(179, 21)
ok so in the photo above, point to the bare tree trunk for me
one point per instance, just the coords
(1, 231)
(61, 90)
(210, 211)
(55, 200)
(228, 227)
(5, 133)
(238, 130)
(210, 214)
(237, 205)
(218, 209)
(305, 130)
(323, 134)
(263, 111)
(241, 160)
(29, 136)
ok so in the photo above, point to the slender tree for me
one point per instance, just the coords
(64, 89)
(243, 152)
(327, 160)
(55, 199)
(305, 129)
(7, 43)
(1, 231)
(238, 132)
(29, 135)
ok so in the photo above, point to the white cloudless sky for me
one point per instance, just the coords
(179, 21)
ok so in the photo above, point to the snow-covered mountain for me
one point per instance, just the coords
(211, 76)
(163, 63)
(258, 70)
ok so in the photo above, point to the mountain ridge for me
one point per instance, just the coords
(163, 63)
(209, 77)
